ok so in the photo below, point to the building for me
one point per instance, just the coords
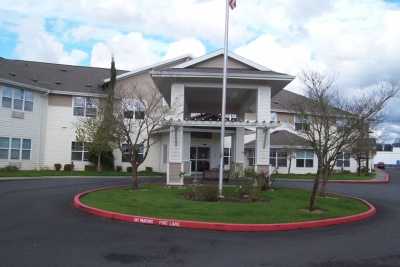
(42, 103)
(388, 153)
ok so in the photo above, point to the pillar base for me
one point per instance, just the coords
(175, 174)
(236, 170)
(263, 169)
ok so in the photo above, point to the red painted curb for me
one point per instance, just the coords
(385, 180)
(222, 226)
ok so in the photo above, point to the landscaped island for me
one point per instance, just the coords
(281, 205)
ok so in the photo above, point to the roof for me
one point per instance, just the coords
(284, 100)
(284, 138)
(163, 64)
(57, 78)
(219, 53)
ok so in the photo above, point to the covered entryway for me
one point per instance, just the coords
(200, 159)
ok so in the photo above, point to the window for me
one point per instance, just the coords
(126, 153)
(300, 123)
(15, 148)
(4, 147)
(79, 151)
(7, 97)
(304, 159)
(17, 99)
(85, 106)
(343, 160)
(227, 156)
(26, 149)
(278, 158)
(251, 156)
(133, 108)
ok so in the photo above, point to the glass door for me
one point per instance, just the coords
(200, 158)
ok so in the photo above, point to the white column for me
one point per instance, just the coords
(262, 134)
(178, 101)
(238, 144)
(264, 104)
(175, 163)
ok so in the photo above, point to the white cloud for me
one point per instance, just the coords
(189, 46)
(85, 33)
(34, 43)
(131, 51)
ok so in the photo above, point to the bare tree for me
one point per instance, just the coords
(334, 123)
(139, 113)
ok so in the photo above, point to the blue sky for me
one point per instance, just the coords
(356, 41)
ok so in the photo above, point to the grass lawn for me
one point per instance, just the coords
(281, 205)
(41, 173)
(337, 176)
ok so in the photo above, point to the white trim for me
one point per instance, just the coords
(57, 92)
(244, 76)
(24, 85)
(139, 70)
(218, 53)
(218, 123)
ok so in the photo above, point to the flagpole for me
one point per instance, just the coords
(221, 165)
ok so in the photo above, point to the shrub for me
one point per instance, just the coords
(107, 160)
(118, 168)
(57, 166)
(203, 193)
(9, 168)
(69, 167)
(90, 168)
(129, 169)
(247, 190)
(250, 172)
(149, 169)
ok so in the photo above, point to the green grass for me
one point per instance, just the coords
(337, 176)
(41, 173)
(282, 205)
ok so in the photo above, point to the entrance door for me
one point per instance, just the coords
(200, 158)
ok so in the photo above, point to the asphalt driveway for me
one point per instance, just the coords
(39, 227)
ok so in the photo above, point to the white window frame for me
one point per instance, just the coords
(251, 156)
(140, 153)
(308, 155)
(342, 157)
(84, 150)
(6, 148)
(228, 157)
(134, 108)
(274, 117)
(274, 155)
(85, 106)
(13, 98)
(20, 148)
(300, 120)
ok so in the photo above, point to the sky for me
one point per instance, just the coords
(356, 41)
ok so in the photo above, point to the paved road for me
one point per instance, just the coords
(39, 227)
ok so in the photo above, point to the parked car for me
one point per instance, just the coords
(380, 165)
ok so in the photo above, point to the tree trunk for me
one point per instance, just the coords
(322, 191)
(135, 177)
(368, 164)
(290, 164)
(314, 192)
(359, 166)
(98, 163)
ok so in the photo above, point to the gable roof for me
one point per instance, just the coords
(163, 64)
(54, 78)
(284, 139)
(284, 101)
(220, 52)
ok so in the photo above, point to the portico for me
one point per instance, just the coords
(193, 91)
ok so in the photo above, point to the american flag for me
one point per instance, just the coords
(232, 4)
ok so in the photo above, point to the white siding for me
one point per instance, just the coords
(31, 126)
